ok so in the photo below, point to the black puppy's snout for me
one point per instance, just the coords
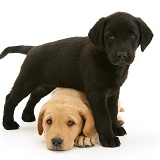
(122, 55)
(57, 141)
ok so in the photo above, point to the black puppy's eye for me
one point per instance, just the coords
(49, 121)
(70, 123)
(111, 37)
(132, 36)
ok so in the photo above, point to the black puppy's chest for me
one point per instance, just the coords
(121, 73)
(117, 77)
(107, 76)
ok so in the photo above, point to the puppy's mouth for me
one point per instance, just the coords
(122, 63)
(57, 149)
(119, 62)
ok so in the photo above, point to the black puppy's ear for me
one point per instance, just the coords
(146, 34)
(96, 33)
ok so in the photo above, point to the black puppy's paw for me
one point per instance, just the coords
(10, 125)
(112, 142)
(120, 131)
(28, 117)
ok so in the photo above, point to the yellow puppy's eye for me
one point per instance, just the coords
(49, 121)
(70, 123)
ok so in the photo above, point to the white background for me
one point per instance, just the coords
(34, 22)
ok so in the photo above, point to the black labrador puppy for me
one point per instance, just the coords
(97, 64)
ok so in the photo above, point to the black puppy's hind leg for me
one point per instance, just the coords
(20, 90)
(112, 103)
(35, 97)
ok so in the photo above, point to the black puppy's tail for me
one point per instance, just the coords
(16, 49)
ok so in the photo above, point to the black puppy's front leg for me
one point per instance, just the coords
(112, 103)
(102, 119)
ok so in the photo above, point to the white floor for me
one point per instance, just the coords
(44, 21)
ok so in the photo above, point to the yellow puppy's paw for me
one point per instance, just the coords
(83, 141)
(120, 121)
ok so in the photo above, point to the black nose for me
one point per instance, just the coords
(57, 141)
(122, 55)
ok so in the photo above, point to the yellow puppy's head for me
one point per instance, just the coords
(62, 121)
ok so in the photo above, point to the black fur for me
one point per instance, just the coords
(97, 64)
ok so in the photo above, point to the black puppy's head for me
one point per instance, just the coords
(119, 35)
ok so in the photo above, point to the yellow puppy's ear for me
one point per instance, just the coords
(40, 120)
(89, 126)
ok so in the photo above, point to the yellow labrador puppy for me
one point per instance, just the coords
(66, 120)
